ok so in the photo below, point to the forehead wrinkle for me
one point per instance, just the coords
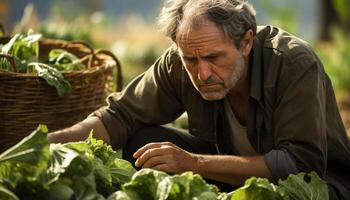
(199, 42)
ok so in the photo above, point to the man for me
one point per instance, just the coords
(258, 100)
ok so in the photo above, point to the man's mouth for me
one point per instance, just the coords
(211, 87)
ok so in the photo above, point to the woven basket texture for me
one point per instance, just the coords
(27, 100)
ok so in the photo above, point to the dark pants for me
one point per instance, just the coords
(176, 136)
(185, 141)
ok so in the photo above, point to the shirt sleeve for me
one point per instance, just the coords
(280, 163)
(150, 99)
(300, 118)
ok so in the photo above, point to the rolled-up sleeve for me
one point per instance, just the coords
(280, 163)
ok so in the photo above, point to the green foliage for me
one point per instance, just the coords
(22, 166)
(303, 187)
(24, 46)
(24, 50)
(282, 15)
(67, 31)
(296, 187)
(256, 189)
(342, 8)
(52, 76)
(7, 194)
(151, 184)
(336, 59)
(136, 58)
(35, 169)
(186, 186)
(64, 61)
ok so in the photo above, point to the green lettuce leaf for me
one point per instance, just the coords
(30, 149)
(61, 158)
(61, 190)
(23, 165)
(296, 187)
(110, 172)
(186, 186)
(64, 60)
(24, 48)
(52, 76)
(304, 187)
(156, 185)
(144, 184)
(6, 194)
(26, 160)
(256, 189)
(119, 170)
(121, 195)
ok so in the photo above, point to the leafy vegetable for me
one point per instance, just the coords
(295, 187)
(61, 158)
(64, 61)
(144, 184)
(35, 169)
(30, 150)
(186, 186)
(23, 50)
(52, 76)
(22, 165)
(303, 186)
(151, 184)
(256, 189)
(7, 194)
(60, 190)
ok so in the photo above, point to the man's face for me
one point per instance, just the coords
(212, 61)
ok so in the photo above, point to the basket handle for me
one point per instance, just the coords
(79, 42)
(11, 61)
(119, 81)
(86, 45)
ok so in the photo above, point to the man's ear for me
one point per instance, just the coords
(247, 42)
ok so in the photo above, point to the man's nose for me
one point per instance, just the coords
(204, 71)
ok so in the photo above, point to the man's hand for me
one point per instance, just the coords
(165, 156)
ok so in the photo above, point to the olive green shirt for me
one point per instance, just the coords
(292, 106)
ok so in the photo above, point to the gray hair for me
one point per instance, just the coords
(235, 17)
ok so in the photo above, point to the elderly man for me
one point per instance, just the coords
(258, 100)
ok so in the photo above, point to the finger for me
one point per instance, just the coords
(154, 161)
(145, 148)
(140, 151)
(149, 153)
(162, 150)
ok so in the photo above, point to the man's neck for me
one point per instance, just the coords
(242, 87)
(239, 95)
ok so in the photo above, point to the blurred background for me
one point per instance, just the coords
(128, 29)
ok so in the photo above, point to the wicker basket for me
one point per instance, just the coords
(27, 100)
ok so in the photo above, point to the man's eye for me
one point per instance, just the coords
(190, 60)
(211, 58)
